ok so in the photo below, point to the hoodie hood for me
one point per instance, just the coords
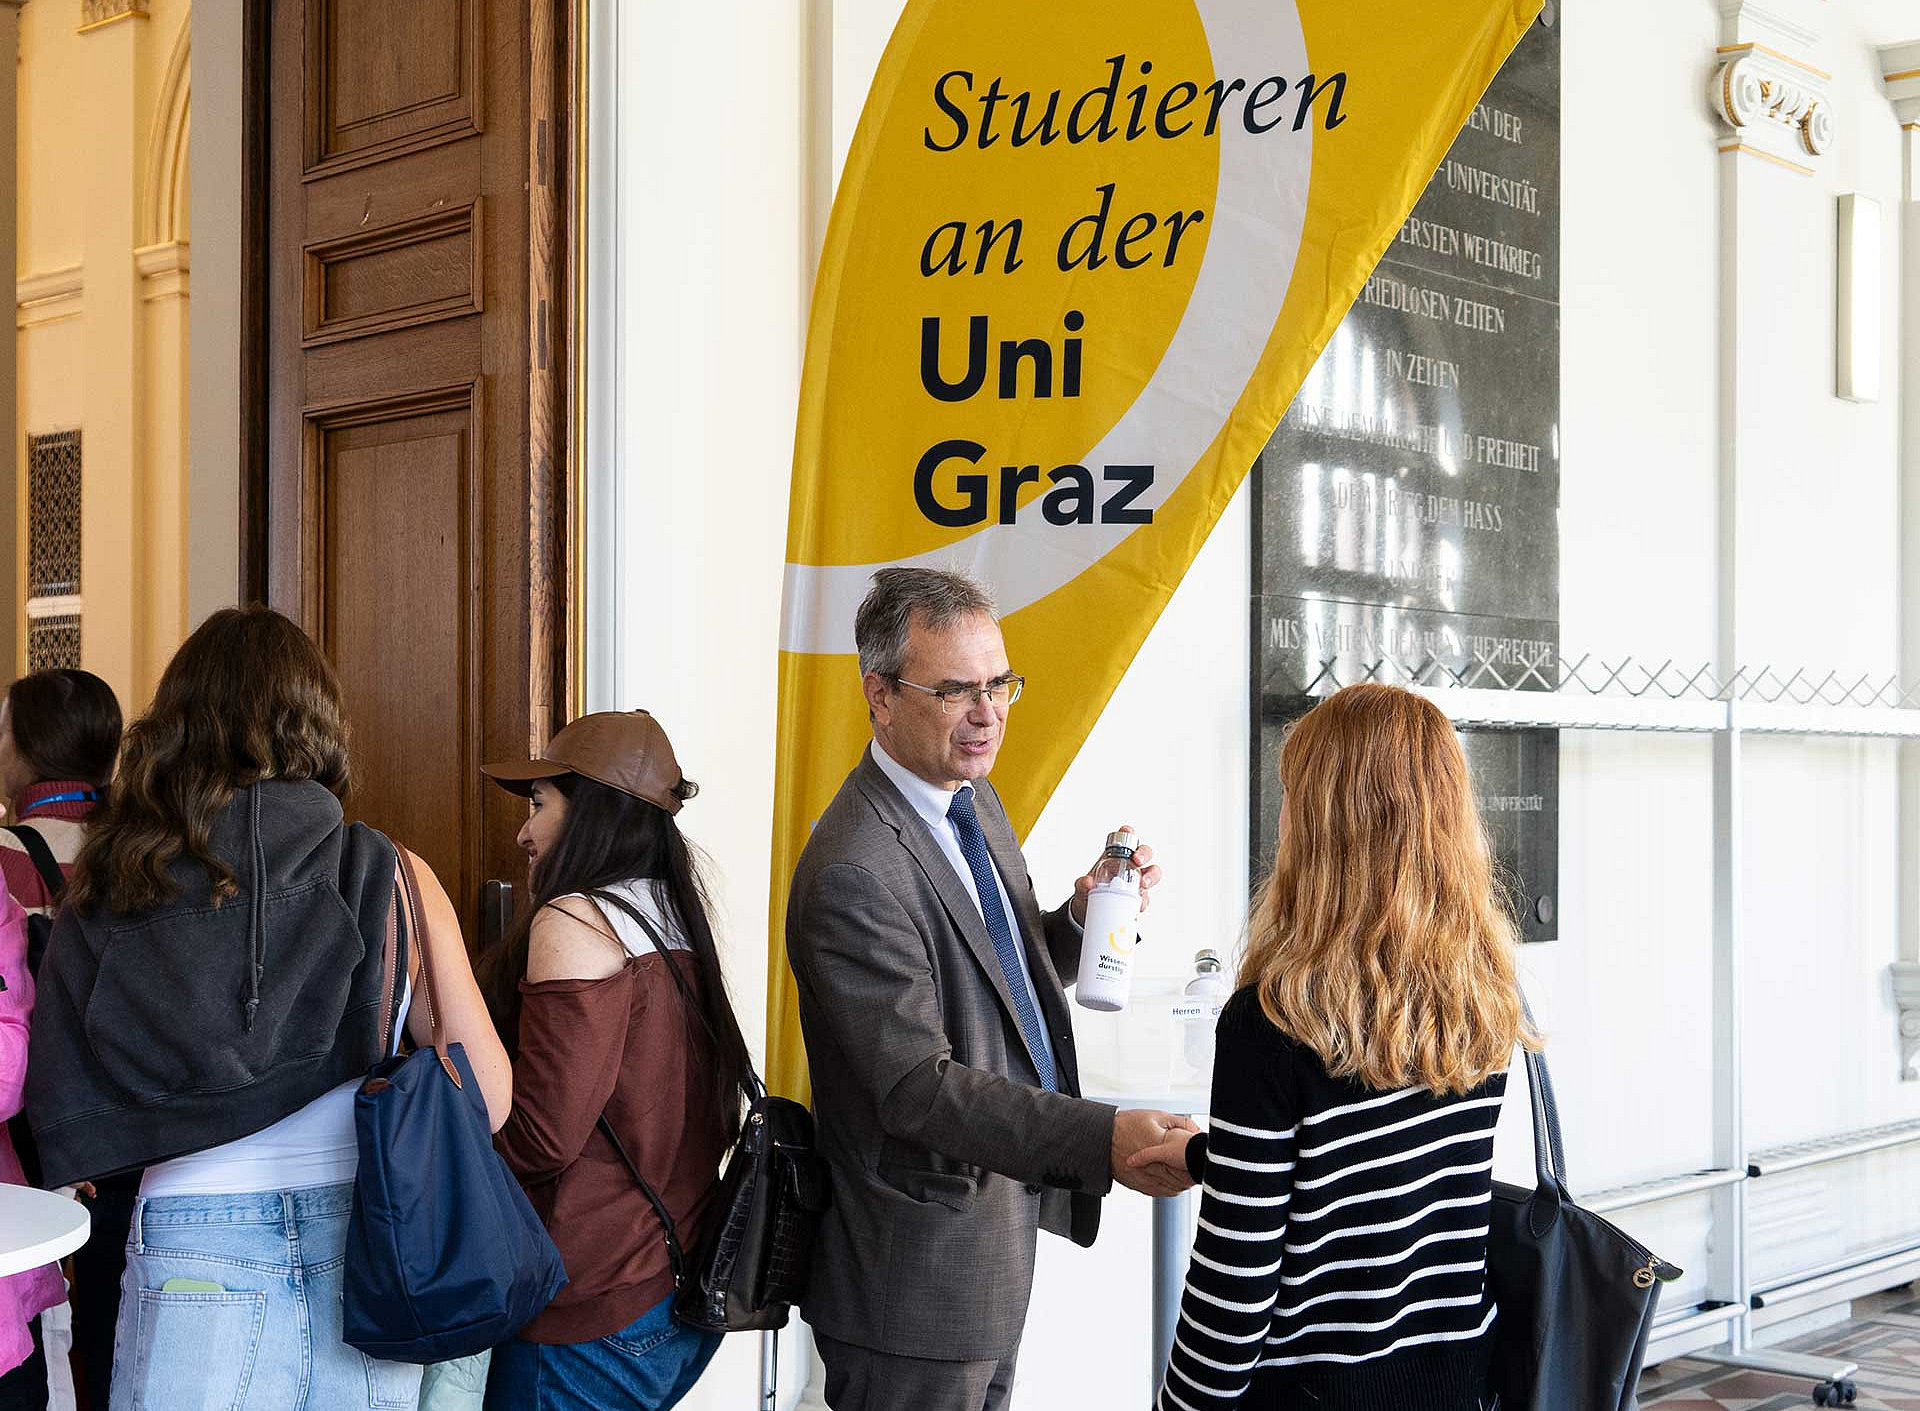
(176, 1029)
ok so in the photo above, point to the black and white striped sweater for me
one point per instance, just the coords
(1342, 1252)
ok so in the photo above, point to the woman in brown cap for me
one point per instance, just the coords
(609, 992)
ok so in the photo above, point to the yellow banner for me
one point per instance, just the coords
(1081, 258)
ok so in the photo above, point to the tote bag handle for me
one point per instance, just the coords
(1549, 1155)
(417, 927)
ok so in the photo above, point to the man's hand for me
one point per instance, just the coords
(1139, 1129)
(1149, 879)
(1168, 1160)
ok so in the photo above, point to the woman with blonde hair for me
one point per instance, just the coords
(1347, 1172)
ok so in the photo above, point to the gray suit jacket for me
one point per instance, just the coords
(946, 1154)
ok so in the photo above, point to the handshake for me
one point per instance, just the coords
(1150, 1151)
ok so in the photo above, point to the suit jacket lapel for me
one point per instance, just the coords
(939, 872)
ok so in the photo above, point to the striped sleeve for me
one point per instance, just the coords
(1226, 1310)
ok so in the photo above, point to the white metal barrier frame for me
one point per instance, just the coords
(1589, 694)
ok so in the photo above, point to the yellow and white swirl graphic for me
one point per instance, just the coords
(1081, 258)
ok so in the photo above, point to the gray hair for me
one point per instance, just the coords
(938, 596)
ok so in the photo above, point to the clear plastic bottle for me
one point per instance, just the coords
(1206, 995)
(1112, 928)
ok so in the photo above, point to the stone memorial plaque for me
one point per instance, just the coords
(1407, 511)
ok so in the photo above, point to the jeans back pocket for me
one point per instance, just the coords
(391, 1384)
(195, 1351)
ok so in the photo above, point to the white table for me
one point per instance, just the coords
(38, 1227)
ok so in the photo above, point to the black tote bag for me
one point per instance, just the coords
(1576, 1295)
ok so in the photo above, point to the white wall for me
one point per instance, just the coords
(715, 239)
(707, 298)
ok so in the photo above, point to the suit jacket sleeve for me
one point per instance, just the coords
(866, 965)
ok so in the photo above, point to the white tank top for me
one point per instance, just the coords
(315, 1146)
(650, 898)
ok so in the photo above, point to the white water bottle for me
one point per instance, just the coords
(1207, 994)
(1112, 928)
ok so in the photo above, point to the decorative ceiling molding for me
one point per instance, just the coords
(95, 14)
(1900, 68)
(1772, 23)
(1769, 96)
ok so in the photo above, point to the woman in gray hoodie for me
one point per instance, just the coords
(210, 1000)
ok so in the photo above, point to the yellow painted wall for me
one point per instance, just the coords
(101, 315)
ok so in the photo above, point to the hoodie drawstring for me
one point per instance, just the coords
(257, 917)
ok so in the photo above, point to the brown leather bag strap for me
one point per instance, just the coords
(417, 928)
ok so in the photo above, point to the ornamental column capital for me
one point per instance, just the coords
(1772, 101)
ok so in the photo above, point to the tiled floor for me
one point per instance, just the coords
(1883, 1337)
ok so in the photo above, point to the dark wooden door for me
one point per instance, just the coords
(410, 510)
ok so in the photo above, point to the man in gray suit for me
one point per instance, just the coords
(945, 1082)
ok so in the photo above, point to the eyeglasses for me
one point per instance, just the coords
(999, 694)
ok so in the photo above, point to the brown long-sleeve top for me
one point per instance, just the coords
(624, 1045)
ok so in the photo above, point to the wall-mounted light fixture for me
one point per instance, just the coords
(1857, 321)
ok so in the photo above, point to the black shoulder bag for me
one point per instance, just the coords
(40, 928)
(1576, 1295)
(751, 1266)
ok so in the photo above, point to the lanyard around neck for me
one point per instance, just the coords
(75, 796)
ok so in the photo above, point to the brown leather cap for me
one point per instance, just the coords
(623, 749)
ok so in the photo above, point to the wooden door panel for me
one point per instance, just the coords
(410, 359)
(384, 77)
(394, 276)
(409, 522)
(394, 496)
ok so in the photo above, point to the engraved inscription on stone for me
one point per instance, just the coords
(1408, 504)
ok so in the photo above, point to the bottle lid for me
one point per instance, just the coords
(1206, 961)
(1124, 841)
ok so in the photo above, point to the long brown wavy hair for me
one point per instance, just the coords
(247, 697)
(1382, 939)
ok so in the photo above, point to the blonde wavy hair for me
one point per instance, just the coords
(1382, 939)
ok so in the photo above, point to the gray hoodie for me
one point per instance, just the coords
(178, 1029)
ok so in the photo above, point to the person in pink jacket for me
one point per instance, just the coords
(22, 1296)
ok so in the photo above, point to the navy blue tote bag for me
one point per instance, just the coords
(445, 1257)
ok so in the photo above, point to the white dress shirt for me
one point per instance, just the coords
(931, 802)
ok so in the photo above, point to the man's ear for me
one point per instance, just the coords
(878, 695)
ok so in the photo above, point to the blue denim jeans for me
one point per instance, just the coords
(266, 1336)
(646, 1366)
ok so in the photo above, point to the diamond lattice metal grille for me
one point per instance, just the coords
(53, 515)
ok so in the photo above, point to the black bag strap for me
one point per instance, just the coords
(676, 1257)
(36, 847)
(755, 1088)
(1549, 1155)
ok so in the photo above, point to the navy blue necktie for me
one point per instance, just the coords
(973, 847)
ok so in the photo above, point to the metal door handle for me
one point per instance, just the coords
(496, 911)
